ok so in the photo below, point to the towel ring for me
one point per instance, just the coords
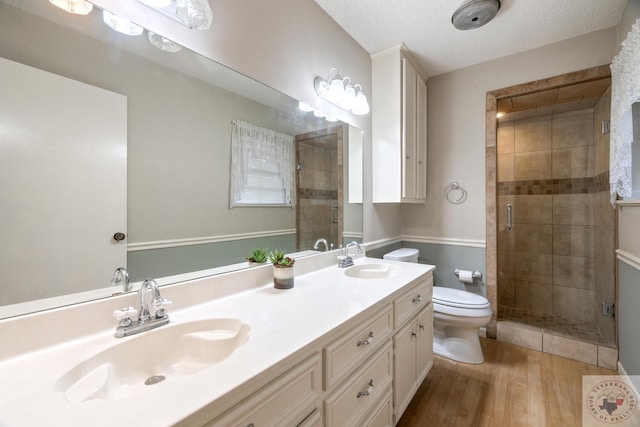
(454, 186)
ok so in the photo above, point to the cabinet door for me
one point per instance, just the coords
(424, 343)
(404, 367)
(421, 140)
(409, 80)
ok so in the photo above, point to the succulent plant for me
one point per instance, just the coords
(258, 255)
(278, 258)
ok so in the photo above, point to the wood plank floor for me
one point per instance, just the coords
(514, 387)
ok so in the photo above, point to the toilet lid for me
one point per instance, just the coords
(458, 298)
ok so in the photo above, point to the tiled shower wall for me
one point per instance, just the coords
(552, 171)
(317, 195)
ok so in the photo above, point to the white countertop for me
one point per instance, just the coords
(282, 322)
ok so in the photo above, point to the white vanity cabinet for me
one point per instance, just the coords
(412, 343)
(399, 128)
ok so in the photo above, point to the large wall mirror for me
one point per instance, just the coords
(165, 168)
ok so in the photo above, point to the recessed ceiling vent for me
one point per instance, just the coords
(475, 13)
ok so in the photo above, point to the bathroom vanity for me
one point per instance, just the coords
(344, 347)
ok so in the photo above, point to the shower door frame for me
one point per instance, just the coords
(491, 178)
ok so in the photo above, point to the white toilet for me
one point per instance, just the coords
(403, 254)
(457, 317)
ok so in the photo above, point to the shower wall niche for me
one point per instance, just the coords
(556, 256)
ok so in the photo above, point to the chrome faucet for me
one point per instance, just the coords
(121, 275)
(316, 245)
(152, 311)
(345, 259)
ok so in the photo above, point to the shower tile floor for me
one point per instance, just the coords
(587, 332)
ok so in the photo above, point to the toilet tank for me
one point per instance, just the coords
(403, 254)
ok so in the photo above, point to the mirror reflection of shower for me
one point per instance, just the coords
(319, 187)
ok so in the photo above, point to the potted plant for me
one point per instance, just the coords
(282, 269)
(258, 255)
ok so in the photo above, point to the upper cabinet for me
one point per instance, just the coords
(399, 129)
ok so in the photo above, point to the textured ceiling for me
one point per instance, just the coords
(425, 27)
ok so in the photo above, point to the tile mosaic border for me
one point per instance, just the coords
(555, 186)
(315, 194)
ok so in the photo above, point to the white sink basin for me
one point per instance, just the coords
(373, 271)
(140, 361)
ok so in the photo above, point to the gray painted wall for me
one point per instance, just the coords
(628, 317)
(446, 258)
(183, 259)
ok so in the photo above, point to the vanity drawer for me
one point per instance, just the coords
(356, 399)
(382, 413)
(412, 301)
(346, 353)
(291, 400)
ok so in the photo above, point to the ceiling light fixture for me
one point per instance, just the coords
(342, 92)
(475, 13)
(78, 7)
(121, 25)
(194, 14)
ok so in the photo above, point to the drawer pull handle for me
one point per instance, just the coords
(413, 334)
(417, 299)
(367, 392)
(367, 342)
(251, 425)
(422, 327)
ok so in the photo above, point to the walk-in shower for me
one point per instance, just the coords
(554, 229)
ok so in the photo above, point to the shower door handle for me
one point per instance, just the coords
(509, 216)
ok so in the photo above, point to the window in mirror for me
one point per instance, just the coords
(262, 166)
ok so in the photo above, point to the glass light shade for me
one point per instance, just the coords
(156, 3)
(331, 118)
(78, 7)
(163, 43)
(319, 113)
(361, 106)
(195, 14)
(121, 25)
(336, 90)
(348, 98)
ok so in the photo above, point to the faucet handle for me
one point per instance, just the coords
(160, 305)
(125, 316)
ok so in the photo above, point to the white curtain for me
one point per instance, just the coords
(262, 166)
(625, 91)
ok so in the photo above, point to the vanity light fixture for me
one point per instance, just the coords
(342, 92)
(121, 25)
(194, 14)
(78, 7)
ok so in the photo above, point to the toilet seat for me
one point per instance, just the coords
(459, 299)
